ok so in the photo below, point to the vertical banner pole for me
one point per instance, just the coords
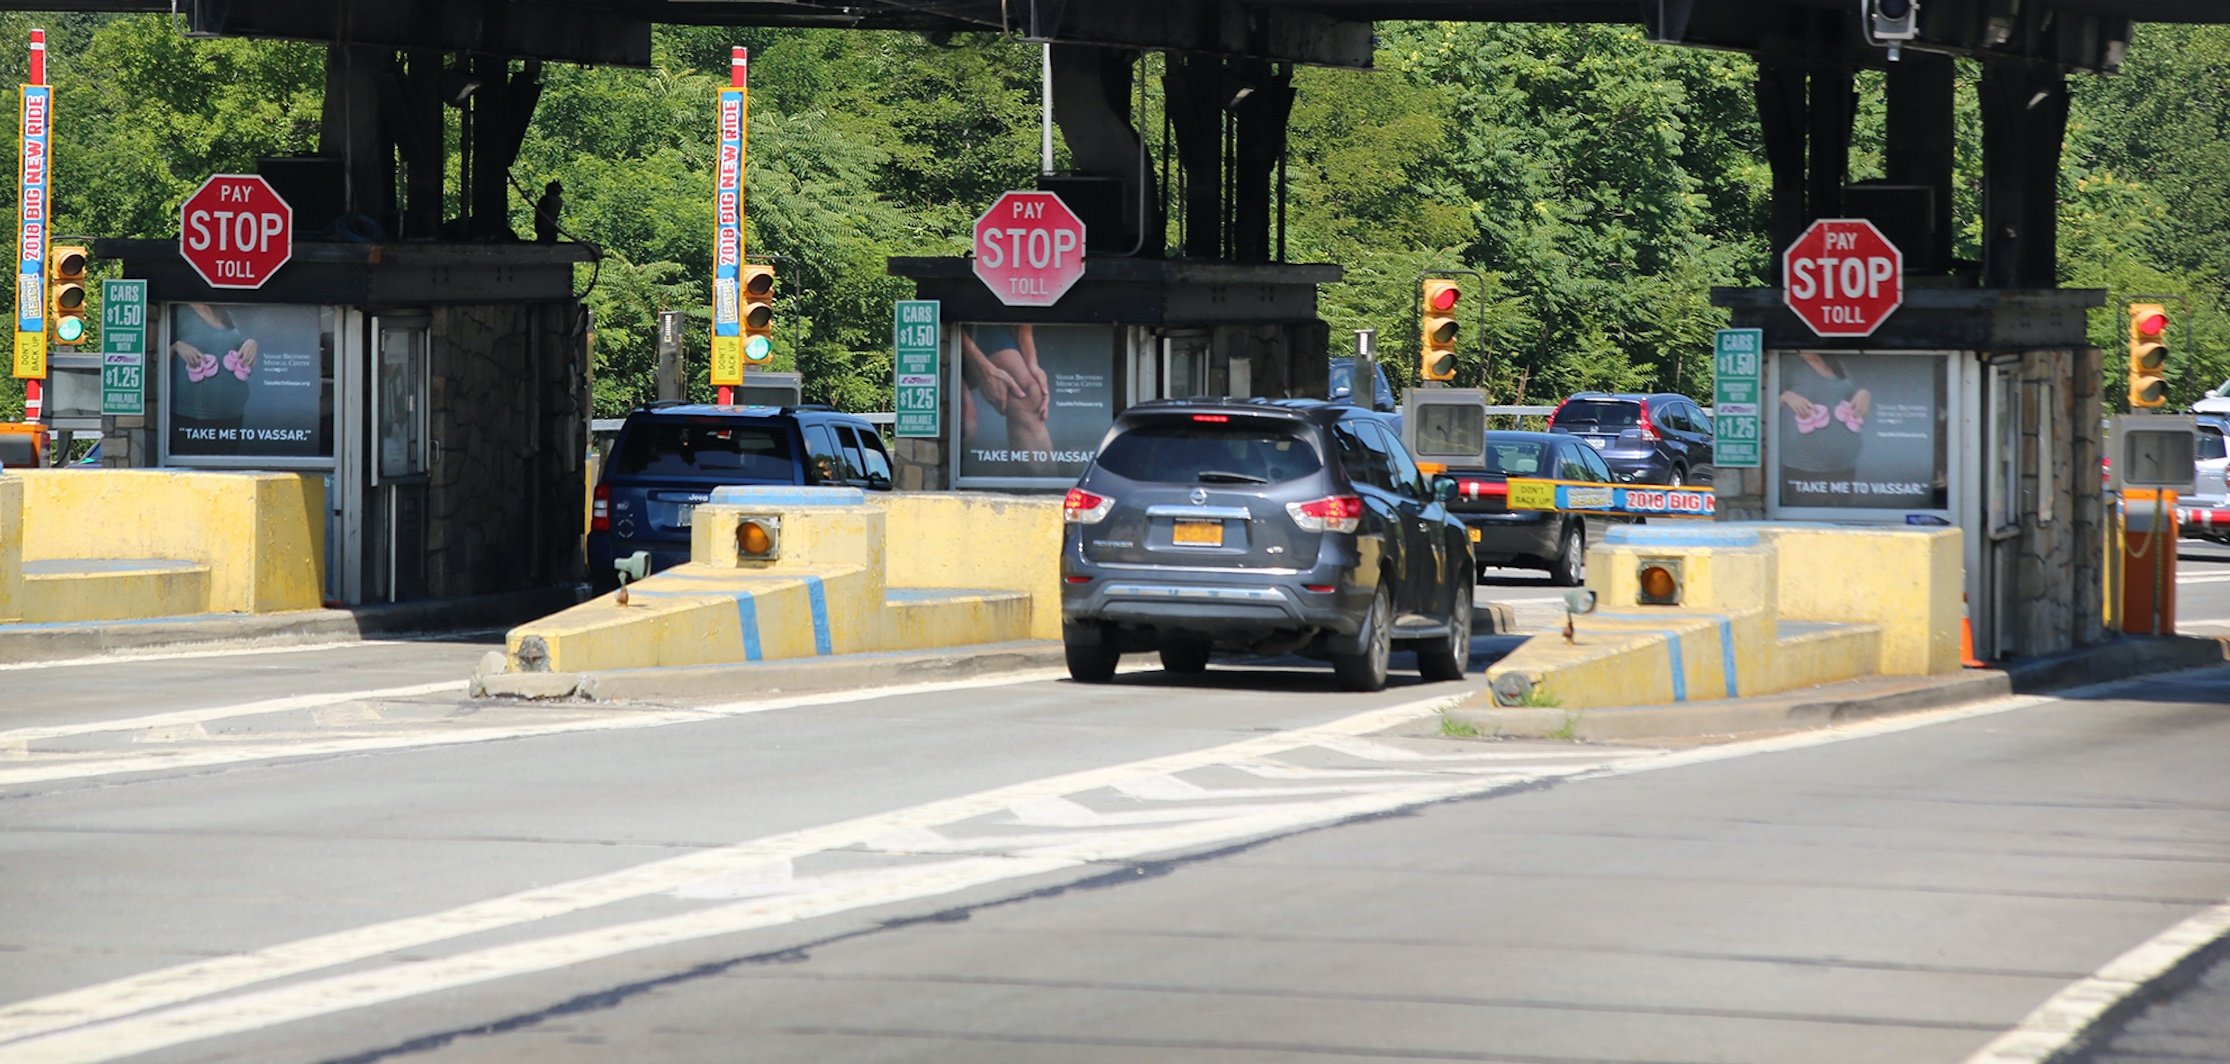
(36, 116)
(726, 361)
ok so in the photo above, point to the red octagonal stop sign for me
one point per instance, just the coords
(235, 231)
(1029, 249)
(1843, 277)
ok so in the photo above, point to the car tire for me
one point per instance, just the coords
(1450, 657)
(1090, 662)
(1679, 478)
(1366, 670)
(1186, 658)
(1569, 567)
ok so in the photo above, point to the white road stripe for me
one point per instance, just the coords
(183, 717)
(185, 982)
(123, 657)
(249, 1012)
(49, 768)
(74, 1027)
(2057, 1023)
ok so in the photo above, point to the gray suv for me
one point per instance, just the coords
(1262, 527)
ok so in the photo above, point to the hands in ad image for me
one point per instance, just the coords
(1001, 363)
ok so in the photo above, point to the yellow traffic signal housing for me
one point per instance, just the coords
(758, 313)
(2148, 356)
(67, 294)
(1436, 350)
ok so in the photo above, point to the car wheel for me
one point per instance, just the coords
(1090, 662)
(1449, 659)
(1185, 657)
(1679, 478)
(1366, 671)
(1570, 566)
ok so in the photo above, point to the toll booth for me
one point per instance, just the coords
(1981, 411)
(1132, 329)
(440, 388)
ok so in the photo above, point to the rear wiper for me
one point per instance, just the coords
(1225, 476)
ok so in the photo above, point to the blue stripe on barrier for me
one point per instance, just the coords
(1726, 655)
(1680, 669)
(747, 612)
(819, 601)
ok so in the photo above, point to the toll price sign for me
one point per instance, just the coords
(918, 393)
(124, 348)
(1737, 372)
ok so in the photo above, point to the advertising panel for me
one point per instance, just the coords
(31, 235)
(1035, 400)
(1862, 431)
(250, 382)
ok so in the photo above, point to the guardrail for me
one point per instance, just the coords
(609, 425)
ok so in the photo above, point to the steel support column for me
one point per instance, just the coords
(2024, 121)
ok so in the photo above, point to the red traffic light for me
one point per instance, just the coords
(2152, 324)
(1443, 297)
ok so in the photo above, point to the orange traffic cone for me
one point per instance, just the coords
(1966, 639)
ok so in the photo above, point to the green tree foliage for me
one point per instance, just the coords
(1587, 186)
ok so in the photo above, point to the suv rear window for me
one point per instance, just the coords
(2210, 444)
(668, 449)
(1518, 458)
(1601, 413)
(1187, 453)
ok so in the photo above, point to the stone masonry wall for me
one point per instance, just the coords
(505, 504)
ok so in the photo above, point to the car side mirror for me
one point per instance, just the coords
(1443, 487)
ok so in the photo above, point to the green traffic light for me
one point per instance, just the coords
(757, 349)
(69, 330)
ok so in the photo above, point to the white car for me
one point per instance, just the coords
(2216, 402)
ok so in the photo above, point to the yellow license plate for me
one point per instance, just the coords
(1197, 534)
(1474, 534)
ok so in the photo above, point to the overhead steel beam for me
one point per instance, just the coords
(556, 30)
(1247, 31)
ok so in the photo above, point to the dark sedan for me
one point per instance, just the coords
(1531, 539)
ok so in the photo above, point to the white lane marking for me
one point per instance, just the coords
(126, 657)
(76, 1018)
(2202, 578)
(185, 982)
(2057, 1023)
(182, 717)
(249, 1012)
(50, 768)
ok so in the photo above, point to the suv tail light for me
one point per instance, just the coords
(1552, 415)
(1081, 507)
(1649, 428)
(1337, 513)
(600, 511)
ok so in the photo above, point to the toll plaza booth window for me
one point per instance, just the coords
(1033, 402)
(248, 385)
(706, 452)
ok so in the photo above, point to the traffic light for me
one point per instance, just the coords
(758, 314)
(68, 292)
(1436, 353)
(2148, 356)
(1893, 20)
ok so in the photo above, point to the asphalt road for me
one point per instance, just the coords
(320, 855)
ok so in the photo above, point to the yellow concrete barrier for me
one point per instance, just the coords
(1756, 609)
(851, 573)
(11, 548)
(118, 543)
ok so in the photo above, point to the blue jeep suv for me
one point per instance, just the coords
(668, 457)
